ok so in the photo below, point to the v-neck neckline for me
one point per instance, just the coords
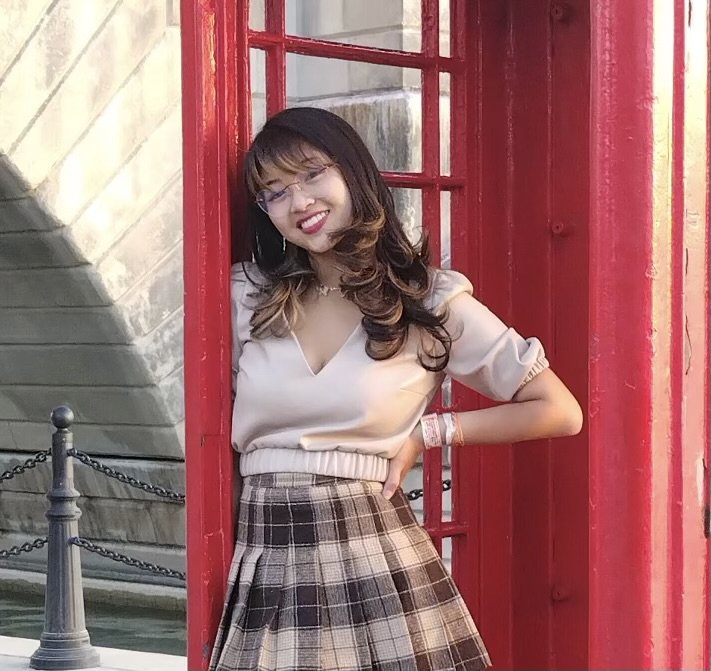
(350, 337)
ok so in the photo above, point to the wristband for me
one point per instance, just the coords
(451, 428)
(458, 433)
(431, 434)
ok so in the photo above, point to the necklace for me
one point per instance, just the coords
(324, 290)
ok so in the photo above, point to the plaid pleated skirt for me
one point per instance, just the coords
(329, 575)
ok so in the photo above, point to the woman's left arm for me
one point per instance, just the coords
(542, 408)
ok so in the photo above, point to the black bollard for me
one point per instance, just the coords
(64, 643)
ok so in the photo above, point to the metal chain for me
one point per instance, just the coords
(126, 479)
(39, 458)
(16, 550)
(415, 494)
(124, 559)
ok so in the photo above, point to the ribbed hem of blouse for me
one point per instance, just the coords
(328, 462)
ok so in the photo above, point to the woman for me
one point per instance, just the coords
(342, 334)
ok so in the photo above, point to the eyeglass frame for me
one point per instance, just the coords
(264, 207)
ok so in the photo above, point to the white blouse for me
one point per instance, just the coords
(354, 415)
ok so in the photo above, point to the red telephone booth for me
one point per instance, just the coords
(577, 201)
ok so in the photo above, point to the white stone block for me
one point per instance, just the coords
(91, 483)
(316, 18)
(173, 394)
(116, 520)
(35, 249)
(162, 349)
(50, 53)
(312, 78)
(52, 287)
(130, 192)
(134, 256)
(101, 365)
(96, 567)
(105, 107)
(63, 325)
(13, 184)
(96, 405)
(116, 440)
(25, 214)
(157, 297)
(20, 19)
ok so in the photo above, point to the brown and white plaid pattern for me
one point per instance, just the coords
(328, 575)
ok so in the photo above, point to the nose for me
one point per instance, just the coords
(300, 199)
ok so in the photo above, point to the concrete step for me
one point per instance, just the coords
(15, 655)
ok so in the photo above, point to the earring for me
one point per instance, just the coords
(283, 245)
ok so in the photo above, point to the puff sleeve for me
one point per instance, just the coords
(241, 314)
(486, 355)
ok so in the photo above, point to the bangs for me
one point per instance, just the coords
(279, 149)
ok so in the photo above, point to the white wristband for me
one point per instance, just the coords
(450, 428)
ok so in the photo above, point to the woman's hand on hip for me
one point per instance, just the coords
(403, 461)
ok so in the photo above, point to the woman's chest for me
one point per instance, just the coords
(274, 372)
(324, 328)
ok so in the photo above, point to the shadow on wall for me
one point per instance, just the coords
(63, 340)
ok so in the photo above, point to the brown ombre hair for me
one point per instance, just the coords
(384, 274)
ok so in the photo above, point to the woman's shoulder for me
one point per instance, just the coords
(245, 279)
(446, 284)
(245, 271)
(248, 275)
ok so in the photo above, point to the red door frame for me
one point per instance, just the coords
(649, 335)
(642, 511)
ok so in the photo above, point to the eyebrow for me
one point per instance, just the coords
(304, 163)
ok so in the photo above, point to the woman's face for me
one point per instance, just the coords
(308, 205)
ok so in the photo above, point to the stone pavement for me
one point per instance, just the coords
(15, 655)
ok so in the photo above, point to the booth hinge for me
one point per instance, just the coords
(707, 521)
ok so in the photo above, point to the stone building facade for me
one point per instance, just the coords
(91, 238)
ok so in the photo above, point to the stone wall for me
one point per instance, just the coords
(91, 263)
(91, 236)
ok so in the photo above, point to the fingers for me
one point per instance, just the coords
(393, 481)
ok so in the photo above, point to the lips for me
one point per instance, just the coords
(314, 223)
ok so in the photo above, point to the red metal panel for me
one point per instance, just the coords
(276, 56)
(208, 38)
(621, 349)
(528, 150)
(529, 277)
(463, 147)
(432, 464)
(481, 252)
(649, 401)
(568, 226)
(312, 47)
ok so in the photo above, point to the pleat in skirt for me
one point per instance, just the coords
(329, 575)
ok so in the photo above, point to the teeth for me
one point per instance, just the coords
(312, 221)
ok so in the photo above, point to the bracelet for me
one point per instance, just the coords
(454, 434)
(459, 433)
(431, 434)
(451, 428)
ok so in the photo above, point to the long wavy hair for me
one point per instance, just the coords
(383, 273)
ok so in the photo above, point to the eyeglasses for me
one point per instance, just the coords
(278, 203)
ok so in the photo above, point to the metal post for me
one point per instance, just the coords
(64, 643)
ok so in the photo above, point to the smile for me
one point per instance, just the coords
(314, 223)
